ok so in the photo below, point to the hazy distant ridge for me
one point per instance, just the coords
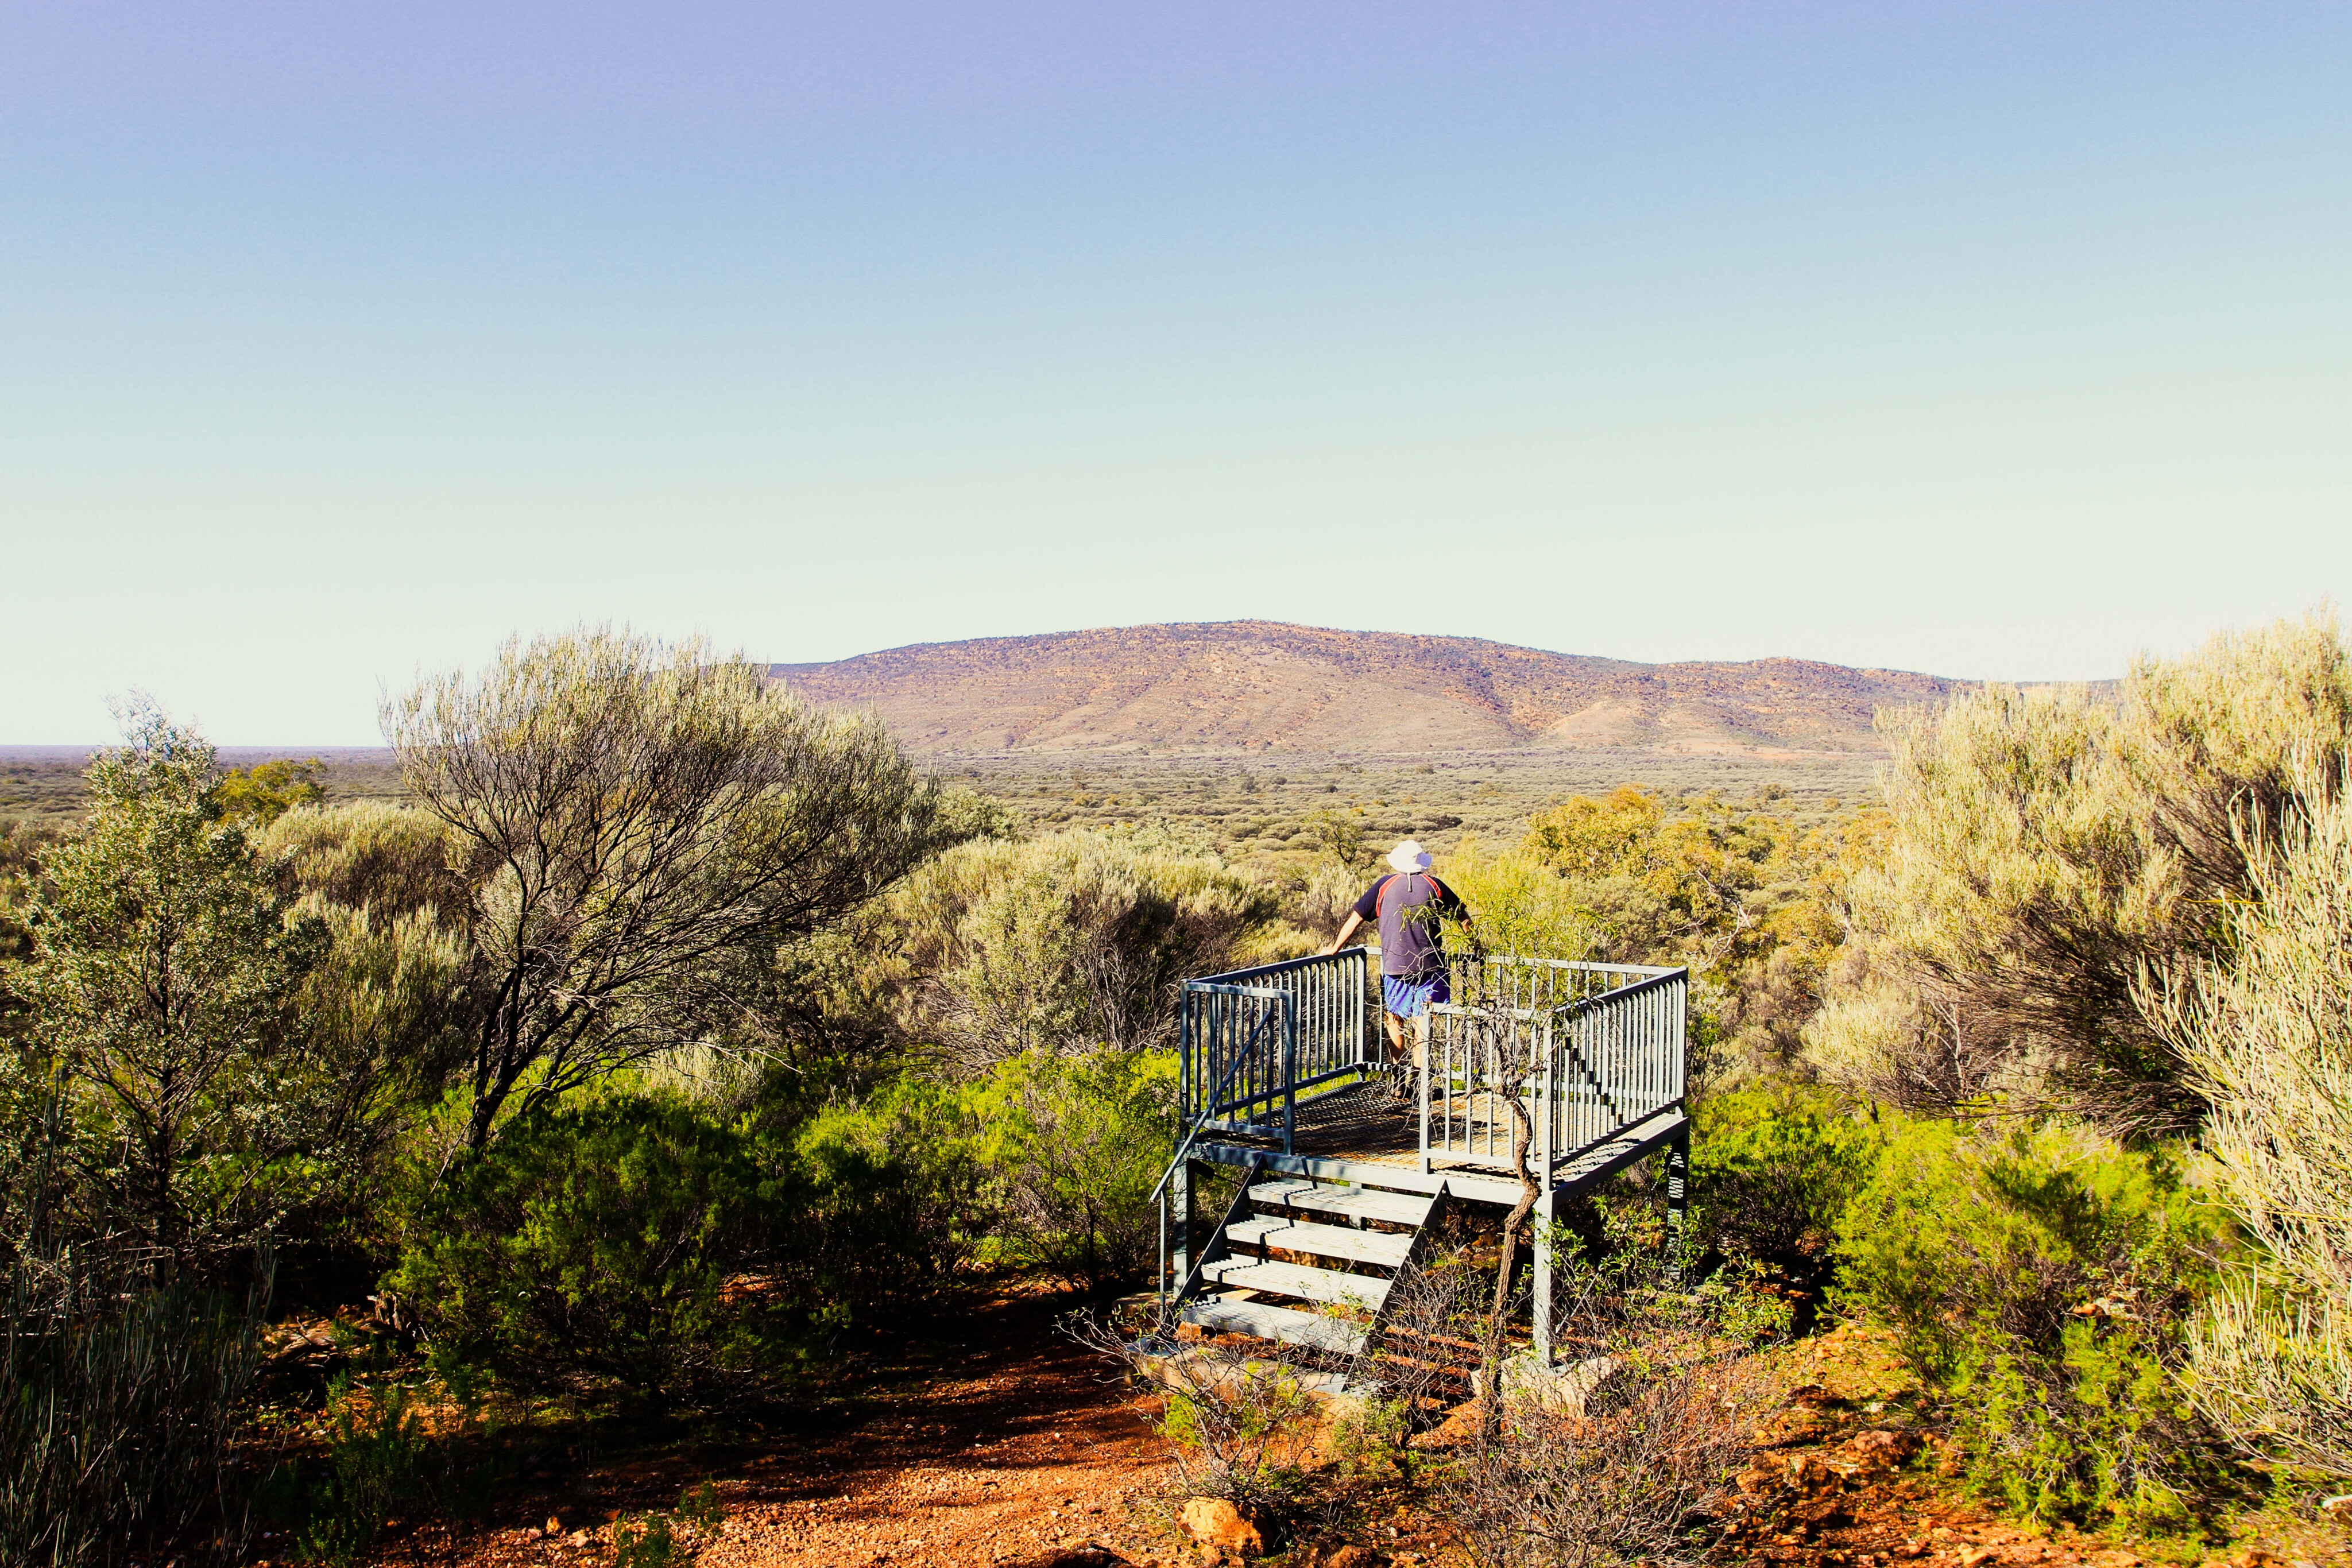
(1252, 684)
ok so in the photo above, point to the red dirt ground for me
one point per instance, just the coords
(1004, 1444)
(1001, 1442)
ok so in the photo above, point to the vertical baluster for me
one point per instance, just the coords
(1657, 1048)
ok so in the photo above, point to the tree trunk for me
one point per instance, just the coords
(1490, 1362)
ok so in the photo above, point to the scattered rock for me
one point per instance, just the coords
(1873, 1453)
(1213, 1521)
(1459, 1427)
(1977, 1556)
(1793, 1472)
(1577, 1390)
(554, 1526)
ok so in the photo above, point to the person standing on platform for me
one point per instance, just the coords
(1406, 907)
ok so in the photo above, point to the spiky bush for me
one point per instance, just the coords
(2046, 849)
(2267, 1037)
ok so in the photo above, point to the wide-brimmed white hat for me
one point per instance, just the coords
(1409, 856)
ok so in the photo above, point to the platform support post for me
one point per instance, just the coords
(1181, 1199)
(1677, 1196)
(1541, 1305)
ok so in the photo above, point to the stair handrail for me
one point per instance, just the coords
(1209, 1108)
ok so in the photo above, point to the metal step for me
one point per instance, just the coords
(1287, 1325)
(1362, 1202)
(1386, 1247)
(1360, 1291)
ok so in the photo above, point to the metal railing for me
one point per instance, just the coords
(1589, 1048)
(1249, 1041)
(1321, 1037)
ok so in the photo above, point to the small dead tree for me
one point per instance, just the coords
(631, 817)
(1629, 1458)
(1244, 1417)
(1427, 1354)
(1501, 1047)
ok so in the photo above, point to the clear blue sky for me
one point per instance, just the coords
(339, 339)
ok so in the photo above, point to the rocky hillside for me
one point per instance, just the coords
(1248, 686)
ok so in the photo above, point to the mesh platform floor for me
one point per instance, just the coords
(1363, 1122)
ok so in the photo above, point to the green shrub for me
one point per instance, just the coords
(377, 1455)
(2043, 1278)
(1773, 1167)
(651, 1540)
(1074, 1144)
(892, 1207)
(656, 1244)
(643, 1541)
(602, 1240)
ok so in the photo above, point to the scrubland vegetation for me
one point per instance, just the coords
(669, 1037)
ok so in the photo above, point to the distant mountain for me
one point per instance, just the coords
(1247, 685)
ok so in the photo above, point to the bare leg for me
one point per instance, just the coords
(1398, 1082)
(1420, 1047)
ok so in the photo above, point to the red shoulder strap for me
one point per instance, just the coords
(1381, 904)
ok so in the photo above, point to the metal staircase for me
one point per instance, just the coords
(1307, 1262)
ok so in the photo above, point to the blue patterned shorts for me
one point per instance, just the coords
(1409, 996)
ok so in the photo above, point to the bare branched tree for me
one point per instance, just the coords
(1500, 1050)
(630, 817)
(1628, 1459)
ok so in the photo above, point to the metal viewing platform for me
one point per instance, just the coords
(1284, 1072)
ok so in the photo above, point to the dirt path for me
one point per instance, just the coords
(997, 1442)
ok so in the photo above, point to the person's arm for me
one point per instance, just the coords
(1366, 907)
(1461, 915)
(1470, 935)
(1347, 930)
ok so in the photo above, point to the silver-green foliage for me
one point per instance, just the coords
(2267, 1036)
(1069, 942)
(2046, 849)
(629, 820)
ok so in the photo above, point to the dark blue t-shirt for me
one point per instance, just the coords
(1410, 945)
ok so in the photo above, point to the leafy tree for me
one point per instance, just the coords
(1746, 898)
(267, 790)
(632, 819)
(163, 990)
